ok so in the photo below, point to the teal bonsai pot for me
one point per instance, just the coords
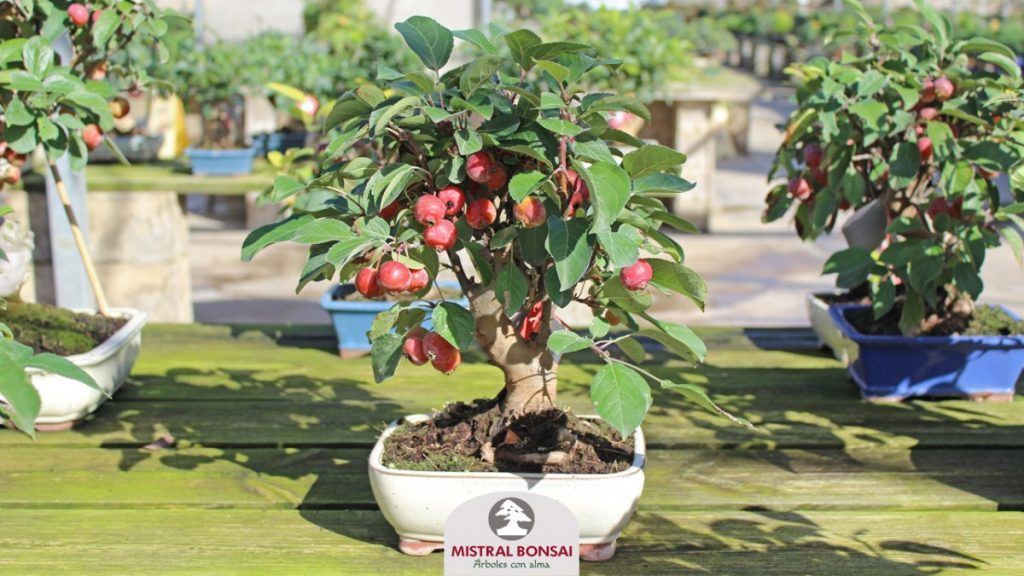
(890, 368)
(221, 162)
(352, 319)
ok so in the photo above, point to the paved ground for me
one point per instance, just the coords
(757, 274)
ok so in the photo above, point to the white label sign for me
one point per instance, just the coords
(512, 533)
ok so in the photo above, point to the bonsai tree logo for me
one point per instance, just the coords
(506, 516)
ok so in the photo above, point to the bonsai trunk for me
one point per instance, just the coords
(528, 365)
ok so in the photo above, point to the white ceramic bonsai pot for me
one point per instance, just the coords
(417, 503)
(65, 401)
(842, 347)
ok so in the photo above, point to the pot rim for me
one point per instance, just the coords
(838, 314)
(108, 348)
(377, 465)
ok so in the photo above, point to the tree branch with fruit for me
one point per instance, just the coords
(919, 126)
(504, 173)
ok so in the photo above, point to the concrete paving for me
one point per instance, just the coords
(757, 274)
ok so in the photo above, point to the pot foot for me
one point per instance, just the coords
(992, 397)
(57, 426)
(419, 547)
(597, 552)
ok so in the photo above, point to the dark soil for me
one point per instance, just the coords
(985, 321)
(475, 437)
(348, 293)
(47, 328)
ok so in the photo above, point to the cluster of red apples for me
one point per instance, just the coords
(438, 213)
(806, 186)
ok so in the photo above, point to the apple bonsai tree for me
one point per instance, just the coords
(64, 107)
(504, 173)
(920, 127)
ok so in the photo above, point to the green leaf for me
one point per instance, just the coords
(678, 278)
(559, 126)
(559, 296)
(454, 323)
(431, 41)
(1007, 64)
(622, 249)
(904, 164)
(285, 187)
(476, 38)
(871, 111)
(569, 246)
(61, 366)
(609, 191)
(566, 341)
(105, 27)
(520, 43)
(468, 141)
(11, 50)
(385, 352)
(979, 45)
(510, 288)
(546, 50)
(532, 242)
(852, 265)
(700, 397)
(621, 397)
(481, 264)
(661, 183)
(37, 54)
(479, 73)
(913, 314)
(652, 159)
(16, 388)
(380, 118)
(680, 339)
(346, 108)
(628, 300)
(524, 183)
(268, 234)
(322, 230)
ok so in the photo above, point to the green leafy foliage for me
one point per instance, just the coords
(932, 121)
(567, 218)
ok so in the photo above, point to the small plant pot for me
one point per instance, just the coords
(278, 142)
(65, 401)
(417, 503)
(826, 330)
(352, 319)
(221, 162)
(892, 368)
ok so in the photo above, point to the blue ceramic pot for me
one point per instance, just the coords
(898, 367)
(220, 162)
(352, 319)
(278, 142)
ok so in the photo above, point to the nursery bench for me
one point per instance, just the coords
(242, 450)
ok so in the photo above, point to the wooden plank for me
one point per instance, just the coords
(205, 385)
(255, 542)
(164, 177)
(681, 480)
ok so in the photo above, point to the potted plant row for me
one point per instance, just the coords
(504, 173)
(911, 137)
(59, 365)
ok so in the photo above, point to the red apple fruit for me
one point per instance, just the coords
(429, 210)
(441, 236)
(78, 14)
(367, 284)
(530, 212)
(481, 213)
(800, 188)
(636, 276)
(394, 276)
(480, 166)
(454, 199)
(412, 347)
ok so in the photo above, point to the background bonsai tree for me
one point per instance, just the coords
(210, 81)
(65, 108)
(924, 126)
(505, 173)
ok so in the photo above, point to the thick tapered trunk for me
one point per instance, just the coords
(529, 367)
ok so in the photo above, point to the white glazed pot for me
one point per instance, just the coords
(64, 400)
(844, 349)
(418, 503)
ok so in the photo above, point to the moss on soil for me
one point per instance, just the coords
(458, 438)
(985, 321)
(47, 328)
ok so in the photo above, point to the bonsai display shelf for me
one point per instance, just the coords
(266, 473)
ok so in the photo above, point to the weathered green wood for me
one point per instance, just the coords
(255, 542)
(166, 177)
(682, 480)
(205, 386)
